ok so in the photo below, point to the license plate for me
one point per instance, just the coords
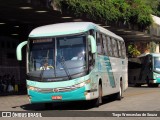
(56, 97)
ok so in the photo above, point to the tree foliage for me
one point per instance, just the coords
(155, 5)
(133, 51)
(140, 13)
(135, 12)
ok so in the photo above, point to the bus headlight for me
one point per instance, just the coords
(82, 83)
(87, 81)
(33, 88)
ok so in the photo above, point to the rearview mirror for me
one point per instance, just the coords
(93, 43)
(19, 50)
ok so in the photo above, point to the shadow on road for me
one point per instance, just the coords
(143, 86)
(78, 105)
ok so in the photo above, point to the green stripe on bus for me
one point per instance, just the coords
(109, 71)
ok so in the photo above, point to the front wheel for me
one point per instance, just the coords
(97, 102)
(137, 85)
(119, 94)
(153, 85)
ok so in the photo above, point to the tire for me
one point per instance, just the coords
(137, 85)
(97, 102)
(120, 93)
(156, 85)
(150, 85)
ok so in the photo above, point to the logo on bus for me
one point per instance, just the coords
(55, 90)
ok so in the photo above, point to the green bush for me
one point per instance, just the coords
(133, 51)
(135, 12)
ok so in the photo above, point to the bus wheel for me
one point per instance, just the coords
(98, 101)
(153, 85)
(156, 85)
(119, 94)
(137, 85)
(150, 85)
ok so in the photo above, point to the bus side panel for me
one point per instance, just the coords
(125, 73)
(120, 72)
(110, 69)
(94, 76)
(103, 73)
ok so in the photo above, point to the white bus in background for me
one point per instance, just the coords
(102, 71)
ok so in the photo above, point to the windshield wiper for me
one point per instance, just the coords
(65, 67)
(41, 74)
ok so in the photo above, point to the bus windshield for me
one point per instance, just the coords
(59, 58)
(157, 63)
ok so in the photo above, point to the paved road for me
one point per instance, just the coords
(135, 99)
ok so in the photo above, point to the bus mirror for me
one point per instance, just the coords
(93, 43)
(19, 50)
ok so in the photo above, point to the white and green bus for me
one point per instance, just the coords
(56, 74)
(147, 70)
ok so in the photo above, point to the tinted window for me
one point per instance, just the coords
(109, 46)
(114, 45)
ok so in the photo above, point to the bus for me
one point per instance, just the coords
(54, 72)
(147, 70)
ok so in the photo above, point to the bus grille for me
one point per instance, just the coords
(50, 90)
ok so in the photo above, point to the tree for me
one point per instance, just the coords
(133, 51)
(140, 13)
(135, 12)
(155, 5)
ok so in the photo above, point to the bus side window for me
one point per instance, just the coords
(119, 49)
(105, 45)
(123, 50)
(114, 45)
(109, 46)
(92, 32)
(100, 48)
(91, 57)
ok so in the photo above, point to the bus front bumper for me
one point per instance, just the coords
(74, 95)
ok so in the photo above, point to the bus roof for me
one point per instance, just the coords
(155, 54)
(152, 54)
(68, 28)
